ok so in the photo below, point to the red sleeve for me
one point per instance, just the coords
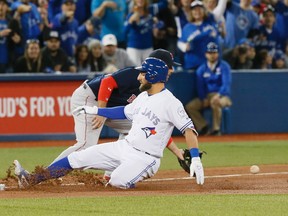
(169, 142)
(106, 87)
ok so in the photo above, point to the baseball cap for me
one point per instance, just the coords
(53, 34)
(109, 39)
(268, 8)
(196, 3)
(279, 55)
(165, 56)
(245, 41)
(212, 47)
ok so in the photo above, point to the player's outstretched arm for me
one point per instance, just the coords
(112, 113)
(196, 164)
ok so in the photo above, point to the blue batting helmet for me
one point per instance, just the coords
(156, 70)
(212, 47)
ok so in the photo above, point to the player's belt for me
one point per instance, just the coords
(143, 151)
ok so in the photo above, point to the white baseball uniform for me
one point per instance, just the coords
(137, 156)
(86, 94)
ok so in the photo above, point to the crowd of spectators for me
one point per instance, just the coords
(105, 35)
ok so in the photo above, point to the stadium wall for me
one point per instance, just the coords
(37, 107)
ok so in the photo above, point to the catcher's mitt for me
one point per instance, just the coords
(185, 164)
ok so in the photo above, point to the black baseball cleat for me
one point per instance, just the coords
(204, 131)
(22, 175)
(215, 133)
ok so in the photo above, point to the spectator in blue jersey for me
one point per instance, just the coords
(56, 55)
(10, 38)
(210, 5)
(182, 14)
(89, 30)
(267, 37)
(4, 34)
(42, 7)
(241, 22)
(112, 14)
(67, 26)
(82, 12)
(281, 20)
(30, 19)
(201, 29)
(54, 8)
(213, 80)
(139, 30)
(115, 57)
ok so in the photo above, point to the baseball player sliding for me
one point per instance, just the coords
(118, 89)
(154, 113)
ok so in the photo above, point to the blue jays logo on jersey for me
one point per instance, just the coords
(149, 131)
(242, 22)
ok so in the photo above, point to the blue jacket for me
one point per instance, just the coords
(198, 36)
(218, 80)
(29, 21)
(68, 32)
(3, 43)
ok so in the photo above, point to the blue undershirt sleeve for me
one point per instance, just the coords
(112, 112)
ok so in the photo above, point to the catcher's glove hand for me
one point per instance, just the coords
(185, 164)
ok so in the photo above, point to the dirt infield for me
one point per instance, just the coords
(272, 179)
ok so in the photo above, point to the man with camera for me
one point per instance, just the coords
(241, 56)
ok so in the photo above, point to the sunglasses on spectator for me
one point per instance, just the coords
(32, 41)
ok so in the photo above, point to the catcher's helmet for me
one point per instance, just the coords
(156, 70)
(212, 47)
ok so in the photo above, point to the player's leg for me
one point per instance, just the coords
(122, 127)
(55, 170)
(217, 107)
(85, 134)
(103, 157)
(194, 109)
(134, 168)
(106, 156)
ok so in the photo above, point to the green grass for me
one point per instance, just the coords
(237, 154)
(150, 205)
(219, 155)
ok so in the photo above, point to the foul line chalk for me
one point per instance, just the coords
(218, 176)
